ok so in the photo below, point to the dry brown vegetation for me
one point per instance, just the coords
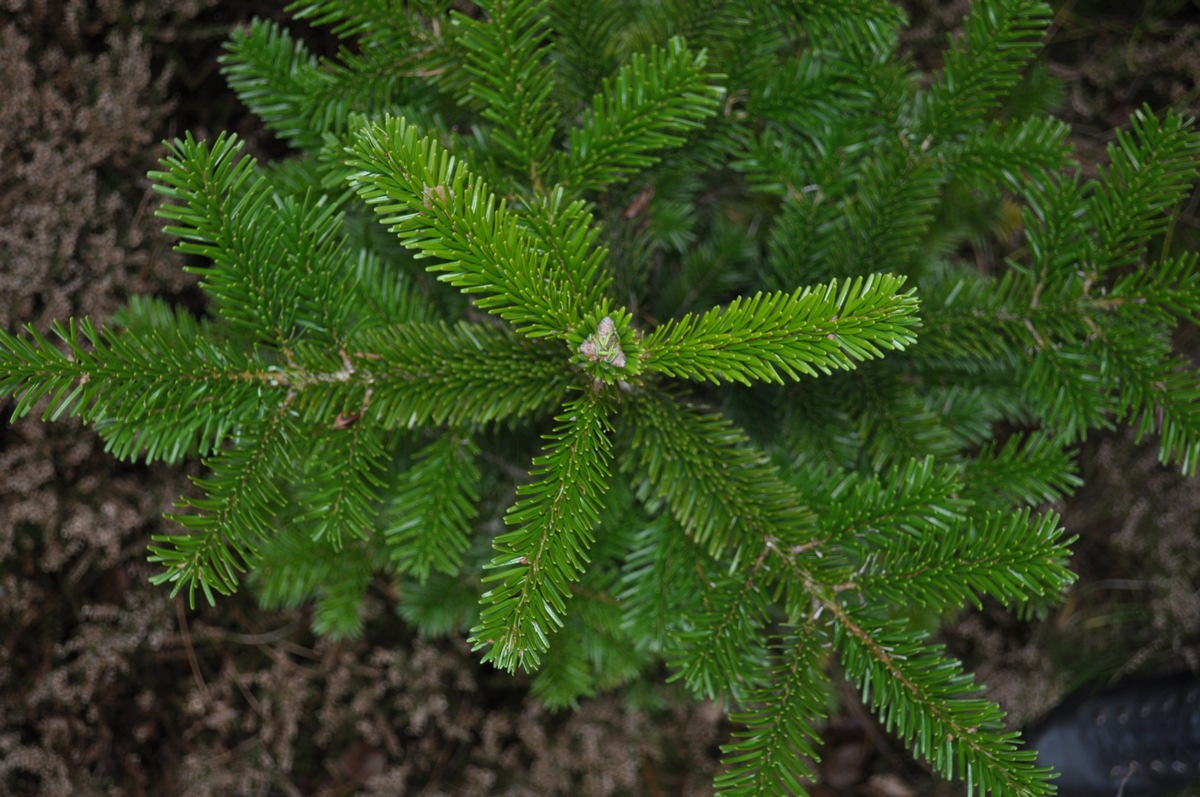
(108, 687)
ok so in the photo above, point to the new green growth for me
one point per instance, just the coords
(628, 335)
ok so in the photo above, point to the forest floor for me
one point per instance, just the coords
(109, 687)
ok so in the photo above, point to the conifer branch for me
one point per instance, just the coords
(434, 374)
(798, 94)
(435, 205)
(664, 577)
(508, 57)
(885, 227)
(1011, 557)
(278, 79)
(157, 392)
(806, 237)
(650, 104)
(845, 19)
(877, 487)
(915, 498)
(590, 655)
(241, 498)
(927, 700)
(568, 233)
(719, 488)
(564, 674)
(556, 515)
(982, 66)
(1163, 396)
(772, 754)
(893, 424)
(304, 567)
(370, 19)
(585, 37)
(1032, 469)
(1051, 218)
(207, 181)
(223, 210)
(1067, 390)
(1013, 155)
(811, 331)
(338, 601)
(305, 99)
(341, 481)
(445, 604)
(1165, 293)
(721, 649)
(382, 297)
(427, 524)
(1150, 170)
(1005, 320)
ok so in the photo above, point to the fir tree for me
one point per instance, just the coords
(713, 261)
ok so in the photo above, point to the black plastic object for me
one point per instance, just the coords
(1137, 739)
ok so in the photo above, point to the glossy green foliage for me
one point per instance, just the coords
(628, 335)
